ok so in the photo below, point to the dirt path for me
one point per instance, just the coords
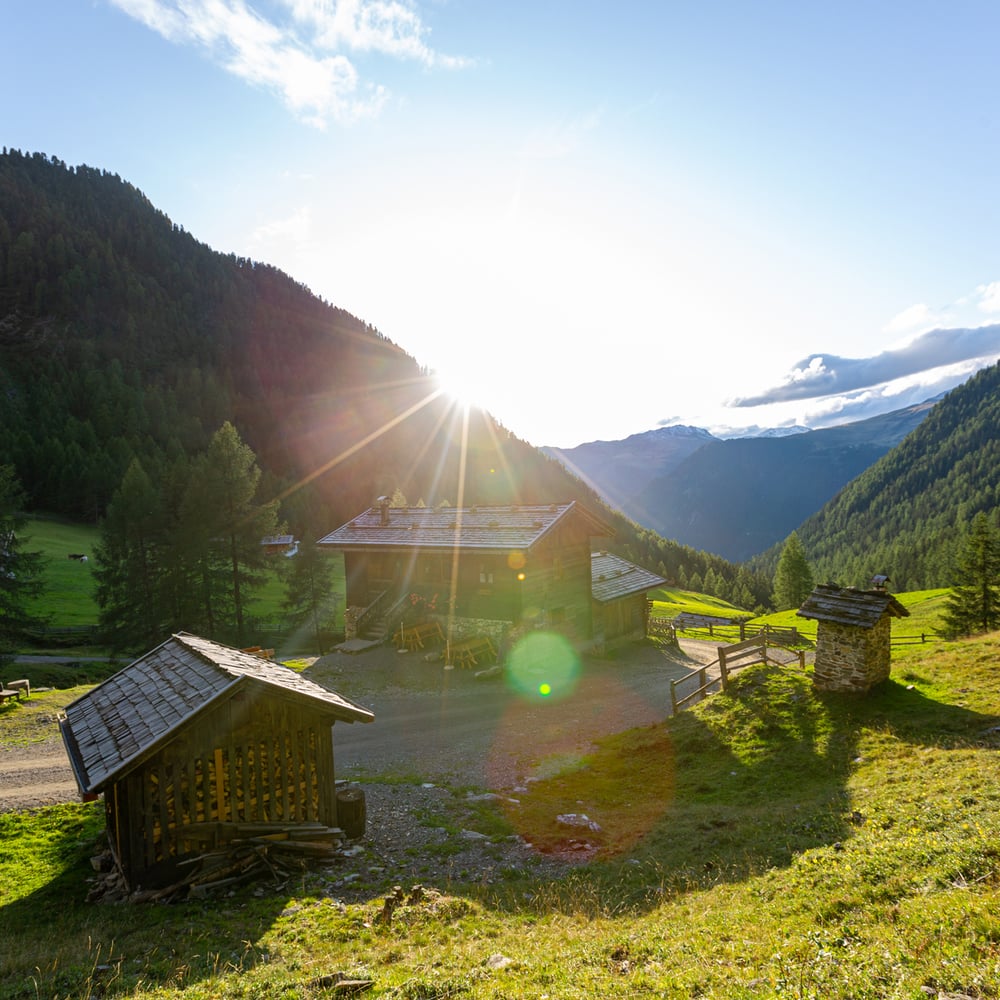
(35, 775)
(428, 722)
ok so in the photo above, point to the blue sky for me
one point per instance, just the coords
(594, 219)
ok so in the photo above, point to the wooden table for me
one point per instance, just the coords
(413, 637)
(468, 652)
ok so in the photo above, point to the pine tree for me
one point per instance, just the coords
(974, 602)
(236, 521)
(793, 579)
(309, 598)
(20, 571)
(129, 569)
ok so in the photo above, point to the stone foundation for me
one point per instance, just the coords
(850, 658)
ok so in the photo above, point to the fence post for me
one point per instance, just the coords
(673, 697)
(723, 673)
(802, 659)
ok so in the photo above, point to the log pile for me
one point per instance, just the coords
(250, 851)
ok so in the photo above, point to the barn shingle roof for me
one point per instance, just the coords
(849, 606)
(612, 577)
(485, 529)
(133, 712)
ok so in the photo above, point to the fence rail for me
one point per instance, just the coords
(730, 659)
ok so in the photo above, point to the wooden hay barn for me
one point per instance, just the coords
(195, 739)
(483, 569)
(853, 636)
(621, 608)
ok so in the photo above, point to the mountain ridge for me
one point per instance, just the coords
(735, 496)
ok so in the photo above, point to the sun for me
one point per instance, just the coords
(470, 386)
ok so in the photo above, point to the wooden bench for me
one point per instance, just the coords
(6, 694)
(468, 652)
(22, 685)
(413, 637)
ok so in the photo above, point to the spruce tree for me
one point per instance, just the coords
(793, 579)
(236, 521)
(309, 598)
(20, 571)
(974, 602)
(130, 565)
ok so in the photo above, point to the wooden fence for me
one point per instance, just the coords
(715, 676)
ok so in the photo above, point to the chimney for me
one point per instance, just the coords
(383, 504)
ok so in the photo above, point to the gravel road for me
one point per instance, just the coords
(448, 730)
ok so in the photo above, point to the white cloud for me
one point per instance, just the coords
(296, 49)
(295, 229)
(989, 297)
(919, 316)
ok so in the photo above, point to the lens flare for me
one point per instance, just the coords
(543, 666)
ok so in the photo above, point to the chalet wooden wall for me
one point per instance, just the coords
(556, 581)
(257, 758)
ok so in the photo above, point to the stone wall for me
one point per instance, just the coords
(851, 658)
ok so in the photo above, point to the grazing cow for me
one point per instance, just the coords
(77, 555)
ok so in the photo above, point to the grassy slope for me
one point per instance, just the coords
(68, 596)
(771, 842)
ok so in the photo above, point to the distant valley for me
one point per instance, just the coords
(734, 498)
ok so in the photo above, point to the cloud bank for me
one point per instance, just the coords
(295, 48)
(828, 374)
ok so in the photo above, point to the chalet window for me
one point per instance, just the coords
(434, 570)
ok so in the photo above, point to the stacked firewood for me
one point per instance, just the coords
(253, 850)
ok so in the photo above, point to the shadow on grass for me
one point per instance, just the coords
(56, 943)
(744, 784)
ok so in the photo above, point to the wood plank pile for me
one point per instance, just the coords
(246, 851)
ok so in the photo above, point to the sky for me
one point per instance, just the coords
(592, 219)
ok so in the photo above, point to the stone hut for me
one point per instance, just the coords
(853, 636)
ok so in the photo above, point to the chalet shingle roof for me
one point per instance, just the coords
(486, 529)
(612, 577)
(849, 606)
(140, 707)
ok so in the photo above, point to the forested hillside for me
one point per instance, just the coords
(905, 515)
(123, 337)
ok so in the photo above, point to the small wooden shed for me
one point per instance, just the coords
(194, 739)
(618, 589)
(853, 636)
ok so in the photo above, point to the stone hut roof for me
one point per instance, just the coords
(850, 606)
(131, 714)
(483, 529)
(612, 577)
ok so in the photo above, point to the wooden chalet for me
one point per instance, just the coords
(621, 608)
(195, 740)
(853, 636)
(482, 569)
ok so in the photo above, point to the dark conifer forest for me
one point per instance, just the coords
(122, 338)
(907, 514)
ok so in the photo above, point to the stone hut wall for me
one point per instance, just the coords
(850, 658)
